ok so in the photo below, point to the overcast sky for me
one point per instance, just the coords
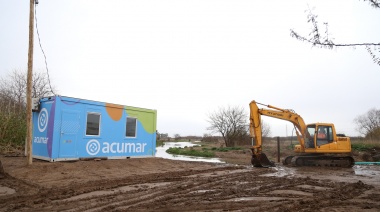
(187, 58)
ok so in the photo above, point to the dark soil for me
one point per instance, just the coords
(156, 184)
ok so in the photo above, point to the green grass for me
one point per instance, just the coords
(204, 152)
(363, 146)
(190, 152)
(222, 149)
(159, 143)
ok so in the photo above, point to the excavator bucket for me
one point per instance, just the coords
(261, 160)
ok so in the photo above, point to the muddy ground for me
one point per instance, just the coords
(156, 184)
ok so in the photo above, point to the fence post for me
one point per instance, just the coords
(278, 149)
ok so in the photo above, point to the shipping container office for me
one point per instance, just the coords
(66, 128)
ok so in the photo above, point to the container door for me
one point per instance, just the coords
(69, 134)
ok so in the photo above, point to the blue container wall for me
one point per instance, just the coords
(43, 127)
(64, 136)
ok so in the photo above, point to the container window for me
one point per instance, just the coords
(93, 124)
(131, 127)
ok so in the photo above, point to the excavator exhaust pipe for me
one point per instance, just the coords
(261, 160)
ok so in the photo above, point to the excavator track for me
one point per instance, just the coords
(329, 161)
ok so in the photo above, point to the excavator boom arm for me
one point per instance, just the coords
(275, 112)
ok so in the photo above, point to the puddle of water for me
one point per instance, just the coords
(318, 188)
(161, 153)
(6, 191)
(369, 171)
(212, 174)
(280, 172)
(291, 192)
(368, 174)
(260, 199)
(199, 191)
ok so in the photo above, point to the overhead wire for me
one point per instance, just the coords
(43, 52)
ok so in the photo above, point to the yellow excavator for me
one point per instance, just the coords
(319, 145)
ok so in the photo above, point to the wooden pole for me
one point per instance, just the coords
(278, 149)
(29, 86)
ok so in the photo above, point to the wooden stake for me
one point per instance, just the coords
(278, 149)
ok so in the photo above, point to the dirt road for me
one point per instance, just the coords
(147, 184)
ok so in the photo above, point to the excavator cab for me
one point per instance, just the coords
(319, 135)
(323, 139)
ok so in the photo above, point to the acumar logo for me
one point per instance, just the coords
(43, 118)
(93, 147)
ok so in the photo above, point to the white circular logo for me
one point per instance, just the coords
(93, 147)
(43, 118)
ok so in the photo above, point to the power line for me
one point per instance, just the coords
(43, 52)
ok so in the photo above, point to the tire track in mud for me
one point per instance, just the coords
(214, 189)
(162, 191)
(194, 186)
(38, 198)
(247, 191)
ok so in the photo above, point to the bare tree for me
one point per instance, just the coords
(368, 124)
(322, 39)
(41, 86)
(13, 104)
(177, 137)
(13, 89)
(14, 86)
(230, 122)
(265, 129)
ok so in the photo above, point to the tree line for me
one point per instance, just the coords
(13, 105)
(230, 122)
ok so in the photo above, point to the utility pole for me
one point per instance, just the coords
(29, 86)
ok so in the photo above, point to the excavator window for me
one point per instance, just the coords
(310, 136)
(321, 133)
(329, 134)
(324, 135)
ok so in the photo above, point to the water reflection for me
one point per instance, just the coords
(161, 153)
(368, 170)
